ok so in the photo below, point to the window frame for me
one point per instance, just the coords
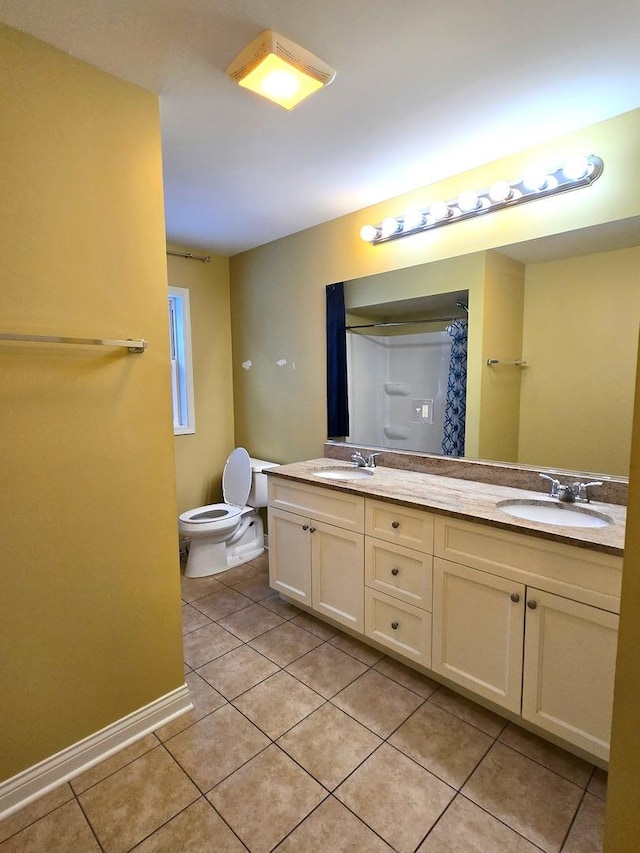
(180, 354)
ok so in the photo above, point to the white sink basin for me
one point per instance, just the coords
(561, 514)
(343, 473)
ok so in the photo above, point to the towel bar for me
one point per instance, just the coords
(136, 345)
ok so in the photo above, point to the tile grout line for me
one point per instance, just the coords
(573, 820)
(546, 767)
(330, 792)
(219, 782)
(117, 770)
(90, 825)
(202, 796)
(487, 812)
(438, 819)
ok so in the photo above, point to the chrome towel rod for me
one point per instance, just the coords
(132, 344)
(517, 362)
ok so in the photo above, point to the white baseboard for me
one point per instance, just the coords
(48, 774)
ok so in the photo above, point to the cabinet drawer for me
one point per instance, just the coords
(402, 627)
(581, 574)
(398, 572)
(412, 528)
(330, 505)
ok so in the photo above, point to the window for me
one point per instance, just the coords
(181, 368)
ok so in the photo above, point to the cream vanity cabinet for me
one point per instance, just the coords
(398, 572)
(316, 549)
(529, 624)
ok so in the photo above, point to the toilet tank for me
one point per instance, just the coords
(258, 494)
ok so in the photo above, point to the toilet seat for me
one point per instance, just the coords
(236, 478)
(236, 485)
(210, 513)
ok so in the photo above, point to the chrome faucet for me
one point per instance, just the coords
(554, 490)
(360, 462)
(582, 495)
(570, 493)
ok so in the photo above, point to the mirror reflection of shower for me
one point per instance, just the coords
(398, 357)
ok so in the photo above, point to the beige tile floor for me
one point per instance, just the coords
(303, 739)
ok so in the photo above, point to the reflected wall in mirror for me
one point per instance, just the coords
(568, 305)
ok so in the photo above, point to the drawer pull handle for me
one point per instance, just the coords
(515, 597)
(395, 524)
(395, 625)
(305, 526)
(394, 572)
(312, 530)
(532, 604)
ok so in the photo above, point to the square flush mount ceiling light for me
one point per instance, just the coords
(280, 70)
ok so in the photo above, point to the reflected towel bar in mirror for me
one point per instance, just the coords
(136, 345)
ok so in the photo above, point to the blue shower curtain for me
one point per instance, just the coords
(337, 397)
(456, 405)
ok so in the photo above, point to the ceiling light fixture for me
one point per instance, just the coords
(577, 171)
(280, 70)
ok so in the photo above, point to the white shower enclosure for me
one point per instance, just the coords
(398, 389)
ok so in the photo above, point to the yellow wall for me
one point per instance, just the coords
(581, 320)
(277, 290)
(200, 457)
(90, 605)
(501, 329)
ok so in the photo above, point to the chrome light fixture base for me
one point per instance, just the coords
(577, 172)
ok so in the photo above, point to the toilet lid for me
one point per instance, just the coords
(236, 478)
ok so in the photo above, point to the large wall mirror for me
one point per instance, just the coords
(558, 316)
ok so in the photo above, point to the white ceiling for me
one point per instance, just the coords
(424, 89)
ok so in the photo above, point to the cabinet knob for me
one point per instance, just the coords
(532, 604)
(305, 526)
(395, 625)
(394, 572)
(312, 530)
(395, 524)
(515, 597)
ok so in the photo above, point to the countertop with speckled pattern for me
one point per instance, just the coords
(464, 499)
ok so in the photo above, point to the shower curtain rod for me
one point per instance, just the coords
(404, 323)
(205, 259)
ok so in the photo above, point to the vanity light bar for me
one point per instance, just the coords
(536, 182)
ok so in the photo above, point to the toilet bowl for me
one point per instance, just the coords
(228, 534)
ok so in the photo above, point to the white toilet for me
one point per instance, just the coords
(230, 533)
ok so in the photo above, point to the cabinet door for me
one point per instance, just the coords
(338, 574)
(569, 668)
(478, 632)
(290, 555)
